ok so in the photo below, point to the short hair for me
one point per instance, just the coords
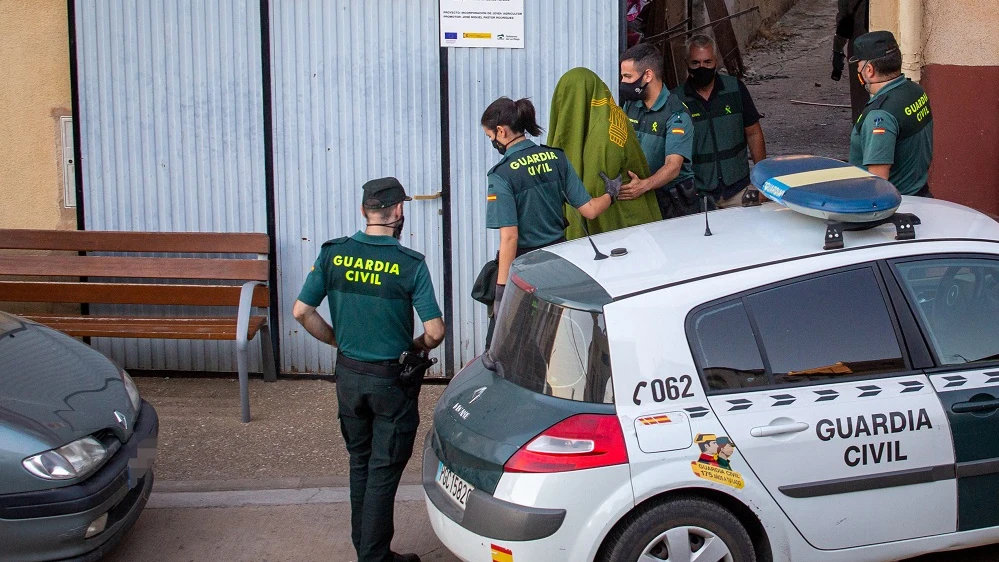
(646, 57)
(381, 214)
(702, 41)
(889, 64)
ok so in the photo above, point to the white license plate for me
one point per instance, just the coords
(454, 486)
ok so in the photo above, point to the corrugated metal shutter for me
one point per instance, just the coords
(559, 35)
(356, 97)
(171, 123)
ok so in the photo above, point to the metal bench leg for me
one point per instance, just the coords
(244, 379)
(267, 354)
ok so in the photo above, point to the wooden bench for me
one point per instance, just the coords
(141, 280)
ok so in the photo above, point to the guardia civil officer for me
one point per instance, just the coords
(726, 123)
(373, 284)
(528, 186)
(664, 129)
(893, 138)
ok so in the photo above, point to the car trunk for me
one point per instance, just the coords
(549, 361)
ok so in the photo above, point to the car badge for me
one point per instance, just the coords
(477, 394)
(121, 419)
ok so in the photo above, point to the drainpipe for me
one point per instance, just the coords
(910, 41)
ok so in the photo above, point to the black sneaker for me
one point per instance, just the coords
(408, 557)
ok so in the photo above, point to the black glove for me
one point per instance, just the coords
(611, 186)
(838, 63)
(499, 295)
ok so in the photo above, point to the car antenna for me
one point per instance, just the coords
(707, 229)
(597, 254)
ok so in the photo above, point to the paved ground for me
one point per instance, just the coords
(274, 490)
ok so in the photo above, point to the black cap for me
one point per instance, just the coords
(873, 45)
(383, 192)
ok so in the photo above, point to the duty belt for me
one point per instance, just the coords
(386, 369)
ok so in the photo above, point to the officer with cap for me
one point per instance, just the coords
(373, 284)
(893, 137)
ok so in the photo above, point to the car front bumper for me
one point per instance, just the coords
(51, 524)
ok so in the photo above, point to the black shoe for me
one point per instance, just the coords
(408, 557)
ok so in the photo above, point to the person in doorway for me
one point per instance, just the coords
(528, 186)
(594, 132)
(726, 123)
(851, 22)
(893, 138)
(373, 284)
(664, 130)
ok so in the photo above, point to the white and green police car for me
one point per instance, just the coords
(741, 396)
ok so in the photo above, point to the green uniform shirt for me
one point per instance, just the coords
(896, 128)
(527, 188)
(373, 284)
(664, 129)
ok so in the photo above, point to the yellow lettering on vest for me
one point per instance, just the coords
(514, 165)
(351, 275)
(923, 113)
(364, 276)
(369, 265)
(394, 270)
(376, 279)
(380, 265)
(337, 260)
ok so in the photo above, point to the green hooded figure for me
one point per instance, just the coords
(597, 137)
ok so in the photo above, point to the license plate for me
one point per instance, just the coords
(454, 486)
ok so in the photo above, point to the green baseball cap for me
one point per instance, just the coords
(383, 192)
(873, 45)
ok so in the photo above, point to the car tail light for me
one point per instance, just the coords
(576, 443)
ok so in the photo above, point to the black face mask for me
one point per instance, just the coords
(632, 91)
(396, 226)
(701, 76)
(500, 147)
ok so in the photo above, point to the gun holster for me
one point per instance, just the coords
(414, 369)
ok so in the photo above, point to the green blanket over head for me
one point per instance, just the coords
(597, 137)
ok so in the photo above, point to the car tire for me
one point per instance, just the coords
(712, 533)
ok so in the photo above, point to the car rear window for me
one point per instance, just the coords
(551, 349)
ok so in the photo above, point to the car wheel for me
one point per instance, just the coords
(680, 530)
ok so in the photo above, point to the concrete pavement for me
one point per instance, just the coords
(284, 525)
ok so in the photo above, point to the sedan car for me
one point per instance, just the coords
(77, 445)
(745, 395)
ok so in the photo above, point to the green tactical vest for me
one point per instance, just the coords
(720, 157)
(909, 105)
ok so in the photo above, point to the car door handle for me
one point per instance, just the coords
(978, 406)
(782, 429)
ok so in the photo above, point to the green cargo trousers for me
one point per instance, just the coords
(379, 426)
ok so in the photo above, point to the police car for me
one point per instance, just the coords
(748, 395)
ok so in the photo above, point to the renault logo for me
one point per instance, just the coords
(121, 419)
(476, 395)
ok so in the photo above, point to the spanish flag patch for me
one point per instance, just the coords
(501, 554)
(878, 131)
(490, 197)
(677, 131)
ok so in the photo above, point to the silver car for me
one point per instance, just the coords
(77, 445)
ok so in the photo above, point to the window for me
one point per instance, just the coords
(726, 348)
(551, 349)
(957, 302)
(833, 326)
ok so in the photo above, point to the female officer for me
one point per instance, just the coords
(528, 186)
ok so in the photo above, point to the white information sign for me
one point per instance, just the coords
(482, 23)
